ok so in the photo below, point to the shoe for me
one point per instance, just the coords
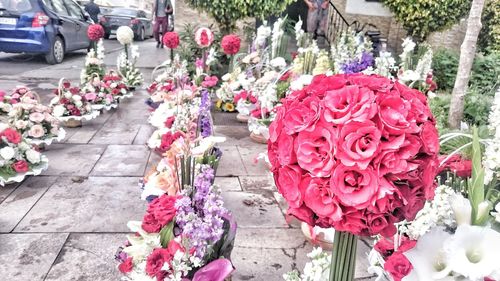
(162, 46)
(158, 45)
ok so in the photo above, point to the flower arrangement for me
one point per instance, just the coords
(351, 53)
(454, 237)
(188, 235)
(20, 94)
(113, 84)
(69, 104)
(35, 122)
(17, 157)
(204, 37)
(95, 32)
(231, 44)
(131, 75)
(245, 102)
(171, 40)
(353, 153)
(94, 63)
(125, 35)
(96, 93)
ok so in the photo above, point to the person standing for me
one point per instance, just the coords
(161, 10)
(316, 16)
(93, 10)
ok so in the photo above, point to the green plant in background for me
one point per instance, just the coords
(227, 12)
(420, 18)
(489, 38)
(485, 70)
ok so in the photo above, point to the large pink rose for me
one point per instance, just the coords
(354, 187)
(302, 115)
(286, 153)
(358, 143)
(349, 103)
(287, 182)
(393, 112)
(276, 127)
(315, 150)
(320, 199)
(430, 139)
(303, 213)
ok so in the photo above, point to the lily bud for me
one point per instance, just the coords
(462, 209)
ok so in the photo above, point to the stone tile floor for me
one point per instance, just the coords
(68, 223)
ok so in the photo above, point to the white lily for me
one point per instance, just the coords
(461, 208)
(205, 144)
(428, 257)
(474, 251)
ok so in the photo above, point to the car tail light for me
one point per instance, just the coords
(135, 21)
(40, 19)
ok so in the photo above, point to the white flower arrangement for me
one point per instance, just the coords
(491, 159)
(94, 63)
(318, 269)
(125, 35)
(347, 47)
(132, 76)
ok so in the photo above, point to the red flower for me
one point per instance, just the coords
(169, 122)
(20, 166)
(160, 212)
(364, 149)
(398, 266)
(231, 44)
(11, 135)
(159, 257)
(458, 165)
(210, 81)
(95, 32)
(126, 266)
(168, 139)
(171, 40)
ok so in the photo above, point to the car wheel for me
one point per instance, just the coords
(56, 53)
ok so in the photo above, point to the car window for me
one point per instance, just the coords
(18, 6)
(73, 9)
(141, 14)
(59, 7)
(124, 12)
(48, 4)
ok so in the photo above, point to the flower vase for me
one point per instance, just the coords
(72, 123)
(343, 262)
(258, 138)
(242, 118)
(317, 237)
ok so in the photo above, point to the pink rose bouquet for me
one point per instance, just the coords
(18, 158)
(113, 84)
(204, 37)
(69, 102)
(354, 152)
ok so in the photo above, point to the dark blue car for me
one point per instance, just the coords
(47, 27)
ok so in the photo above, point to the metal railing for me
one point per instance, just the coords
(336, 23)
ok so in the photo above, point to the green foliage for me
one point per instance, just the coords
(477, 107)
(440, 106)
(422, 17)
(485, 70)
(167, 234)
(489, 38)
(227, 12)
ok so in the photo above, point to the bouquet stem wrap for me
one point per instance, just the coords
(343, 256)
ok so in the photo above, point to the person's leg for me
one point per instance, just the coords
(156, 31)
(164, 25)
(312, 21)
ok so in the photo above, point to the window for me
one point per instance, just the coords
(16, 6)
(141, 14)
(74, 9)
(59, 8)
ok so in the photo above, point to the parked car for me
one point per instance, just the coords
(47, 27)
(138, 20)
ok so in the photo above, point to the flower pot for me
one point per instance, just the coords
(242, 118)
(320, 236)
(72, 123)
(258, 138)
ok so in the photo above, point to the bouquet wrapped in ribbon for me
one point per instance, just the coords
(18, 158)
(70, 105)
(357, 153)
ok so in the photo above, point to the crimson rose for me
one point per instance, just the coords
(354, 152)
(231, 44)
(95, 32)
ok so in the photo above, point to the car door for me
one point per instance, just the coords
(67, 26)
(76, 13)
(146, 23)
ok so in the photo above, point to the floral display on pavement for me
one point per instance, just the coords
(18, 158)
(126, 65)
(69, 104)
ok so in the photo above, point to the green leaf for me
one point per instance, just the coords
(167, 234)
(476, 188)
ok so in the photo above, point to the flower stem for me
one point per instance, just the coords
(343, 257)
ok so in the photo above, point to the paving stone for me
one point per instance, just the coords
(72, 160)
(6, 190)
(129, 116)
(235, 135)
(228, 183)
(248, 156)
(258, 183)
(98, 204)
(28, 256)
(116, 134)
(260, 264)
(122, 160)
(84, 134)
(88, 257)
(15, 207)
(143, 135)
(254, 210)
(276, 238)
(230, 163)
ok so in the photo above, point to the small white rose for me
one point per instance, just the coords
(21, 124)
(7, 153)
(33, 156)
(59, 111)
